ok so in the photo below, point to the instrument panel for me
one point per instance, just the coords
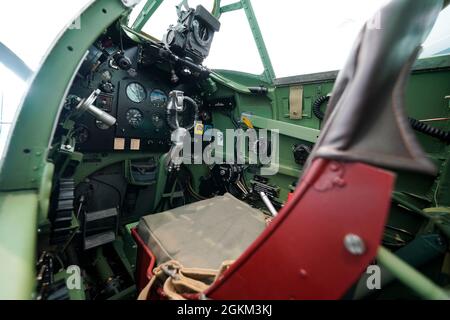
(138, 102)
(141, 112)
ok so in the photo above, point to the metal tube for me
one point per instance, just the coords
(101, 115)
(419, 251)
(97, 113)
(410, 277)
(268, 204)
(147, 11)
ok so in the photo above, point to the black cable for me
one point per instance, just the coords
(317, 104)
(111, 186)
(415, 124)
(429, 130)
(187, 184)
(400, 230)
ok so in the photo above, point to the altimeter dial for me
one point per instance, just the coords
(134, 117)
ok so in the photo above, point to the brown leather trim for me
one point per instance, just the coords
(365, 119)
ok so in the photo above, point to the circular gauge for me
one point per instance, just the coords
(158, 98)
(81, 134)
(101, 125)
(136, 92)
(157, 120)
(134, 117)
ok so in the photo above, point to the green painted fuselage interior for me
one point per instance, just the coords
(425, 99)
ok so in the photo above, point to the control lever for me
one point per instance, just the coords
(87, 105)
(268, 204)
(175, 156)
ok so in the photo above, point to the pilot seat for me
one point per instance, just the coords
(202, 234)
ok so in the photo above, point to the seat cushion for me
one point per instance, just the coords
(202, 234)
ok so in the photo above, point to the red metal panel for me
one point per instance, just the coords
(301, 255)
(145, 262)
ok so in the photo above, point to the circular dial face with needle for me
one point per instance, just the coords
(134, 117)
(136, 92)
(158, 98)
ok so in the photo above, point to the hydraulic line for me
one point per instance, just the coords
(415, 124)
(172, 119)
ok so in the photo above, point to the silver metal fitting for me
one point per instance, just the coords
(176, 101)
(354, 244)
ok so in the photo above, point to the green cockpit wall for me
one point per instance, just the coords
(26, 173)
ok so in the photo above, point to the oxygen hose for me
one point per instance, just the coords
(317, 104)
(415, 124)
(429, 130)
(172, 115)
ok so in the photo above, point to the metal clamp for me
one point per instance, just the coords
(176, 101)
(172, 273)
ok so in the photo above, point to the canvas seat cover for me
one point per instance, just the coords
(202, 234)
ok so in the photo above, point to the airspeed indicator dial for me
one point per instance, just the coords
(136, 92)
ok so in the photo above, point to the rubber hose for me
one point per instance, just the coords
(172, 114)
(415, 124)
(429, 130)
(194, 104)
(317, 104)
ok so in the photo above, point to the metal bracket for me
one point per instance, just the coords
(149, 9)
(269, 73)
(296, 102)
(176, 101)
(231, 7)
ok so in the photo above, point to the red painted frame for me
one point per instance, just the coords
(301, 254)
(145, 262)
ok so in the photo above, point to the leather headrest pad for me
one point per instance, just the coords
(365, 118)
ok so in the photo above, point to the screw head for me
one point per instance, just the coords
(303, 273)
(354, 244)
(334, 166)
